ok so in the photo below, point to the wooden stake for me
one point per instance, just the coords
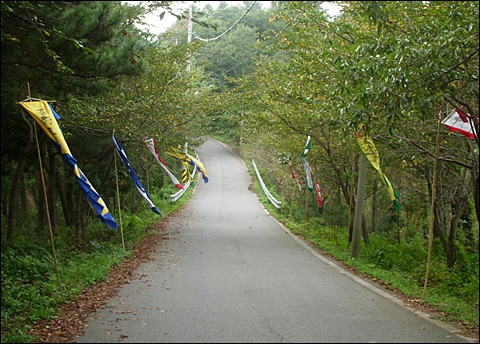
(118, 194)
(45, 197)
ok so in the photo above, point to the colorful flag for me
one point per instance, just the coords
(319, 196)
(199, 165)
(152, 145)
(46, 117)
(308, 146)
(131, 171)
(319, 192)
(295, 176)
(305, 164)
(371, 153)
(306, 167)
(459, 121)
(176, 153)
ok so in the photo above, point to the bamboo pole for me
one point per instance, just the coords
(432, 208)
(45, 198)
(292, 199)
(306, 210)
(306, 204)
(147, 176)
(118, 194)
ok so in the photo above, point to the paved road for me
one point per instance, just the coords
(228, 272)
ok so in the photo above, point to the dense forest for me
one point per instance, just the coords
(355, 105)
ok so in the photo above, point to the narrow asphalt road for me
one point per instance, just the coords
(227, 272)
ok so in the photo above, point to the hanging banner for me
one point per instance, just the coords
(371, 153)
(152, 145)
(46, 117)
(176, 153)
(133, 175)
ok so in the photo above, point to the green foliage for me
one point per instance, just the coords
(19, 336)
(336, 215)
(30, 290)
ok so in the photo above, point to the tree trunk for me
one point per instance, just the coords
(51, 190)
(133, 208)
(67, 207)
(467, 226)
(23, 195)
(14, 190)
(83, 227)
(458, 209)
(438, 231)
(351, 198)
(437, 225)
(69, 195)
(366, 238)
(5, 198)
(41, 210)
(78, 221)
(476, 196)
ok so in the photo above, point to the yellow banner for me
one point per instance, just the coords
(175, 152)
(371, 153)
(41, 112)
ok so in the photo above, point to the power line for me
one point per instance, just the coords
(265, 45)
(230, 29)
(256, 51)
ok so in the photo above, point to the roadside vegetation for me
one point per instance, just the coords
(396, 260)
(32, 291)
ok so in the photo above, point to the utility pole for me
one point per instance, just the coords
(357, 223)
(189, 39)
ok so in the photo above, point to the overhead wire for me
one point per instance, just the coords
(256, 51)
(266, 43)
(231, 27)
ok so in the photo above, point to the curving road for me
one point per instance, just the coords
(227, 272)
